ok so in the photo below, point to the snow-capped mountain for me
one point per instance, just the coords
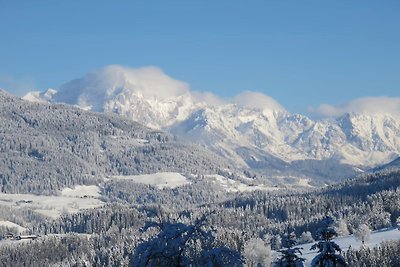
(356, 139)
(146, 95)
(41, 97)
(251, 129)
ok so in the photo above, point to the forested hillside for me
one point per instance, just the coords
(108, 236)
(46, 147)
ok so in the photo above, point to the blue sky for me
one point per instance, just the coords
(301, 53)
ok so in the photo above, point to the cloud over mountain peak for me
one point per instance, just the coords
(96, 87)
(364, 105)
(256, 100)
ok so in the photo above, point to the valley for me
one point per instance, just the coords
(87, 183)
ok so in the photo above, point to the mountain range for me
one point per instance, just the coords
(250, 130)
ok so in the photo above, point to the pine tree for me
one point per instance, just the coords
(327, 248)
(179, 244)
(289, 256)
(257, 253)
(363, 233)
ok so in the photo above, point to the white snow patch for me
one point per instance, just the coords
(142, 141)
(10, 242)
(52, 206)
(40, 97)
(377, 237)
(81, 191)
(236, 186)
(9, 224)
(304, 182)
(160, 180)
(33, 97)
(41, 238)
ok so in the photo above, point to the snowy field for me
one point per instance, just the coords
(13, 242)
(9, 224)
(173, 180)
(160, 180)
(345, 242)
(82, 191)
(71, 200)
(236, 186)
(9, 242)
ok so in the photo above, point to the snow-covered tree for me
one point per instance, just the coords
(179, 244)
(341, 227)
(327, 249)
(276, 242)
(363, 233)
(289, 257)
(305, 237)
(257, 253)
(385, 254)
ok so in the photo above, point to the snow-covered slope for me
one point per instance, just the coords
(40, 97)
(51, 206)
(251, 129)
(355, 139)
(160, 180)
(377, 237)
(15, 226)
(146, 95)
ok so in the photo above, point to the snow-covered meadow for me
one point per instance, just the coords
(173, 180)
(160, 180)
(9, 224)
(231, 185)
(345, 242)
(70, 200)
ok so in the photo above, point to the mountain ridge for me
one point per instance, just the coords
(357, 139)
(46, 147)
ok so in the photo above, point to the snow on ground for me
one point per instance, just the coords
(236, 186)
(173, 180)
(160, 180)
(14, 242)
(9, 224)
(53, 206)
(296, 181)
(81, 191)
(304, 182)
(10, 242)
(344, 242)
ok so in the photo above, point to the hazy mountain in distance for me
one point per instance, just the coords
(395, 164)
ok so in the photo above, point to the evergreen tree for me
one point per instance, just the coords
(341, 227)
(327, 249)
(398, 223)
(363, 233)
(257, 253)
(179, 244)
(289, 256)
(305, 237)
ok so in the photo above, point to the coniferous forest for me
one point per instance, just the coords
(45, 148)
(152, 224)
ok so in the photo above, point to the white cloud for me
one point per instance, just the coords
(364, 105)
(97, 86)
(151, 81)
(209, 98)
(256, 100)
